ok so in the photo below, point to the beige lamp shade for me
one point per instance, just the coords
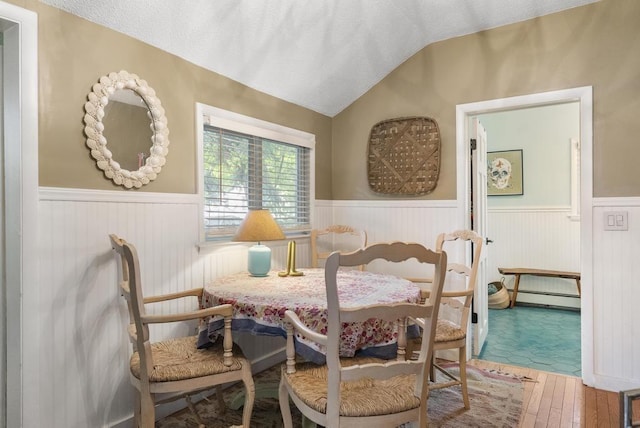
(257, 226)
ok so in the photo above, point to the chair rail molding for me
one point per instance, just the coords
(89, 195)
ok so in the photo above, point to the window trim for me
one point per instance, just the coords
(248, 125)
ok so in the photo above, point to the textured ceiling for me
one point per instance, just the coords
(319, 54)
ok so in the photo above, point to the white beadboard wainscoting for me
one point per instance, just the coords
(538, 238)
(76, 356)
(616, 296)
(393, 220)
(78, 363)
(79, 359)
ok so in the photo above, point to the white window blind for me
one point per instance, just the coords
(242, 171)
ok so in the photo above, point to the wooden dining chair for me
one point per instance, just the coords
(455, 308)
(175, 368)
(364, 391)
(337, 237)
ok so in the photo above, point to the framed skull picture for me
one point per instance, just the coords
(504, 173)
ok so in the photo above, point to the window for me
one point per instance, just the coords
(251, 164)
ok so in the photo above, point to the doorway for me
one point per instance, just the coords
(533, 223)
(532, 214)
(583, 96)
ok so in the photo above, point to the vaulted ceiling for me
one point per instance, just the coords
(319, 54)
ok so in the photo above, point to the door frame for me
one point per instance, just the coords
(20, 99)
(584, 95)
(478, 199)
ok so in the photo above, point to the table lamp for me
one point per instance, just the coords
(257, 226)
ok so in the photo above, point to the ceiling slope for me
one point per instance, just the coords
(321, 54)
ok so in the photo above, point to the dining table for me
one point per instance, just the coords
(259, 304)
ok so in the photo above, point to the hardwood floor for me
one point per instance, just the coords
(555, 400)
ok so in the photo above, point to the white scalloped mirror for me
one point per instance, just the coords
(124, 114)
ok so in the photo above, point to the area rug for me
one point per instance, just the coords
(496, 401)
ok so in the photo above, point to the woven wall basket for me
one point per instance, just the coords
(404, 156)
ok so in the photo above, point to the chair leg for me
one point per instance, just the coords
(283, 397)
(147, 408)
(220, 400)
(462, 360)
(432, 367)
(193, 409)
(250, 394)
(136, 411)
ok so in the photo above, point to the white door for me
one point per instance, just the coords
(479, 224)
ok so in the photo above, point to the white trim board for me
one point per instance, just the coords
(566, 209)
(616, 202)
(20, 99)
(88, 195)
(413, 203)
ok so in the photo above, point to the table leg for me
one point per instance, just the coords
(514, 295)
(263, 390)
(306, 423)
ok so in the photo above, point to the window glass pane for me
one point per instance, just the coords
(243, 171)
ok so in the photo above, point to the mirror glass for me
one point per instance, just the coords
(126, 129)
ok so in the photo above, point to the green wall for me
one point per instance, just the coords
(544, 135)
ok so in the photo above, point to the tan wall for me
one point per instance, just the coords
(596, 45)
(591, 45)
(74, 53)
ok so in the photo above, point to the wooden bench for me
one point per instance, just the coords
(518, 272)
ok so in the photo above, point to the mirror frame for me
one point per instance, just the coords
(94, 127)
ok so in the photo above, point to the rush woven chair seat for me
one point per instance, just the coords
(179, 359)
(364, 392)
(359, 398)
(175, 368)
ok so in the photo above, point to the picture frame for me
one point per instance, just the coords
(504, 173)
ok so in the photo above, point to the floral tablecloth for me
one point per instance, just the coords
(259, 305)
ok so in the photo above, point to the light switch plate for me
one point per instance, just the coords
(616, 220)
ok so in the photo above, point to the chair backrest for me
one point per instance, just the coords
(131, 290)
(460, 300)
(399, 312)
(335, 238)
